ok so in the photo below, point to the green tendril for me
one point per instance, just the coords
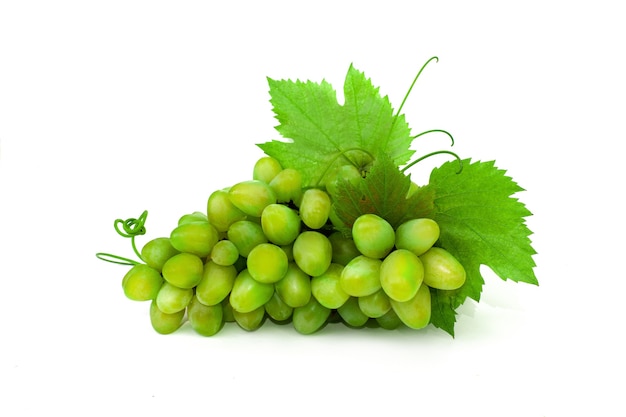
(131, 228)
(435, 153)
(413, 83)
(435, 130)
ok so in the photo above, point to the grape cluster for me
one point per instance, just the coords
(267, 248)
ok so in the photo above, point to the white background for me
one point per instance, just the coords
(110, 108)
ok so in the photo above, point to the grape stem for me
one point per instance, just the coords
(131, 228)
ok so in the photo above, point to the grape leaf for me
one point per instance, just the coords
(481, 224)
(321, 133)
(383, 192)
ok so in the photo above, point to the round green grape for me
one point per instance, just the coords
(361, 276)
(310, 318)
(142, 283)
(295, 287)
(224, 253)
(216, 283)
(172, 299)
(205, 320)
(164, 323)
(267, 263)
(183, 270)
(221, 212)
(373, 236)
(414, 313)
(197, 238)
(287, 186)
(351, 313)
(252, 196)
(249, 294)
(417, 235)
(389, 321)
(348, 173)
(375, 305)
(312, 252)
(245, 235)
(196, 216)
(327, 289)
(344, 249)
(281, 224)
(157, 251)
(251, 320)
(401, 274)
(315, 208)
(442, 270)
(265, 169)
(277, 309)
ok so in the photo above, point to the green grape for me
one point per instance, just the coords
(442, 270)
(277, 309)
(351, 313)
(401, 274)
(348, 173)
(280, 224)
(344, 249)
(310, 318)
(252, 196)
(361, 276)
(172, 299)
(196, 216)
(327, 289)
(221, 212)
(164, 323)
(373, 236)
(265, 169)
(417, 235)
(295, 287)
(389, 321)
(197, 238)
(227, 311)
(157, 251)
(312, 252)
(249, 294)
(183, 270)
(287, 185)
(315, 208)
(375, 305)
(414, 313)
(245, 235)
(142, 283)
(267, 263)
(216, 283)
(205, 320)
(250, 320)
(224, 253)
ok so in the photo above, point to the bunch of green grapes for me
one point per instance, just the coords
(267, 248)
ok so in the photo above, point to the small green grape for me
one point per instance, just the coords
(196, 237)
(205, 320)
(315, 208)
(295, 287)
(265, 169)
(310, 318)
(287, 186)
(390, 320)
(414, 313)
(224, 253)
(249, 294)
(312, 252)
(142, 283)
(373, 236)
(196, 216)
(277, 309)
(172, 299)
(251, 320)
(401, 274)
(157, 251)
(344, 249)
(352, 314)
(165, 323)
(417, 235)
(281, 224)
(216, 283)
(327, 289)
(221, 212)
(442, 270)
(183, 270)
(375, 305)
(361, 276)
(267, 263)
(246, 235)
(252, 196)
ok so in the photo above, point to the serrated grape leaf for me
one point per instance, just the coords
(321, 133)
(383, 192)
(481, 224)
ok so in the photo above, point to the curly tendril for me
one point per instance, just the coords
(131, 228)
(435, 153)
(432, 131)
(406, 96)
